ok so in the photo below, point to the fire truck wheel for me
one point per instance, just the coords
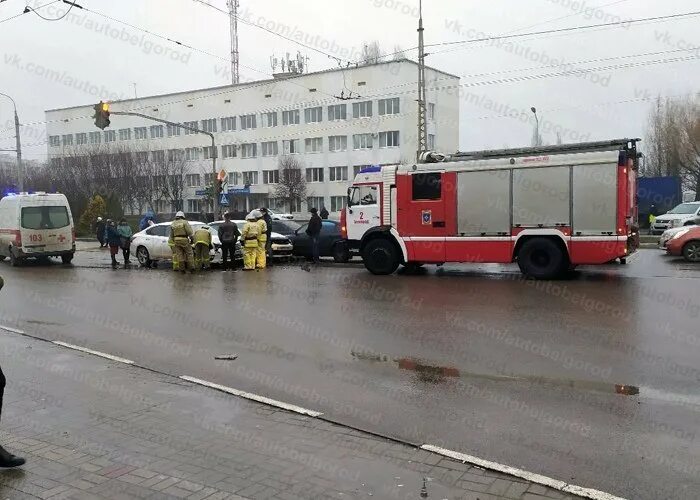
(542, 258)
(380, 257)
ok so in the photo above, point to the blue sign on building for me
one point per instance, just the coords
(200, 192)
(245, 190)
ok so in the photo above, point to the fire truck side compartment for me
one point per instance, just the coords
(542, 197)
(483, 203)
(595, 199)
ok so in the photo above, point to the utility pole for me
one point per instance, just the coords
(233, 15)
(18, 146)
(536, 140)
(422, 122)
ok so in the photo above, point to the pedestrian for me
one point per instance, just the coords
(228, 235)
(125, 234)
(652, 217)
(147, 220)
(261, 256)
(100, 231)
(181, 237)
(250, 241)
(268, 244)
(313, 230)
(7, 459)
(324, 213)
(113, 240)
(202, 246)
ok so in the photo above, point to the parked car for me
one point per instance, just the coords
(285, 227)
(151, 244)
(685, 214)
(279, 215)
(281, 245)
(668, 235)
(686, 243)
(331, 244)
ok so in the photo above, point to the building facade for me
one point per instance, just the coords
(332, 123)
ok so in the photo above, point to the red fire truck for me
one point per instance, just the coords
(547, 208)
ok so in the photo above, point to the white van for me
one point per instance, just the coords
(36, 225)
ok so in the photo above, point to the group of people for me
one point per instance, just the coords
(116, 237)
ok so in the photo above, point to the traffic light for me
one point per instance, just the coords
(101, 115)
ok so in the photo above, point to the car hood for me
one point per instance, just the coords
(278, 235)
(670, 217)
(671, 232)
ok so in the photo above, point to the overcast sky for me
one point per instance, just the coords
(606, 103)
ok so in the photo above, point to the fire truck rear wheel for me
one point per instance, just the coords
(380, 257)
(542, 258)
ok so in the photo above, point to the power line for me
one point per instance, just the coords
(72, 4)
(27, 11)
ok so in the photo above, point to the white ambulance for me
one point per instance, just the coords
(36, 225)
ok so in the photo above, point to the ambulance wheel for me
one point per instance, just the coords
(380, 257)
(143, 257)
(542, 258)
(67, 258)
(14, 260)
(2, 257)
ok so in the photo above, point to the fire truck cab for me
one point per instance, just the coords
(547, 208)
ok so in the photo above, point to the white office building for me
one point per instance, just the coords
(332, 122)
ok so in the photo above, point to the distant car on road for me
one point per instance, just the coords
(685, 214)
(279, 215)
(686, 243)
(331, 244)
(281, 245)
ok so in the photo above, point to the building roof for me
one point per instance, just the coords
(258, 82)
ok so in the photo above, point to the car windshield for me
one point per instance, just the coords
(685, 209)
(284, 226)
(45, 217)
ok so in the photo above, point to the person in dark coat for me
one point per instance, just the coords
(324, 213)
(114, 241)
(314, 232)
(228, 233)
(268, 244)
(100, 231)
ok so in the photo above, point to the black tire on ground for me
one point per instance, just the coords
(691, 251)
(542, 258)
(340, 252)
(143, 257)
(67, 258)
(14, 261)
(623, 260)
(380, 257)
(2, 257)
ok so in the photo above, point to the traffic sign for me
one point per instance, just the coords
(200, 192)
(223, 201)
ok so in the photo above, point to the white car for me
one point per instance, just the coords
(685, 214)
(279, 215)
(281, 245)
(668, 236)
(151, 244)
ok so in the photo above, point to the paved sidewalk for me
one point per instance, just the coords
(92, 428)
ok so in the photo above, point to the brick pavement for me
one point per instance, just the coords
(92, 429)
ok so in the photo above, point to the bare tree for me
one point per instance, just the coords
(292, 184)
(170, 175)
(398, 53)
(371, 53)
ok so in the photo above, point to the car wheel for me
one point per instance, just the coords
(542, 258)
(340, 252)
(67, 258)
(691, 251)
(143, 257)
(14, 260)
(380, 257)
(2, 257)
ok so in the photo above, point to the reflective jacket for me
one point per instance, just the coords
(262, 231)
(180, 228)
(250, 234)
(202, 236)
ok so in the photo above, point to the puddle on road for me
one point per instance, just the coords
(47, 323)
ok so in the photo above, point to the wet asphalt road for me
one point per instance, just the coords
(593, 380)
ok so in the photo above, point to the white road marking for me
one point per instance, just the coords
(529, 476)
(10, 329)
(253, 397)
(96, 353)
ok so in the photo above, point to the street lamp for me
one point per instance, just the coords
(20, 173)
(537, 127)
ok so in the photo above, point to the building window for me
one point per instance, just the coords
(269, 148)
(140, 133)
(291, 147)
(193, 180)
(209, 125)
(161, 206)
(234, 178)
(228, 123)
(431, 141)
(228, 151)
(81, 138)
(356, 169)
(389, 106)
(315, 202)
(337, 143)
(248, 122)
(191, 125)
(95, 137)
(362, 141)
(175, 155)
(54, 140)
(158, 157)
(156, 131)
(249, 150)
(68, 139)
(209, 179)
(124, 134)
(271, 176)
(313, 115)
(314, 145)
(290, 117)
(173, 130)
(250, 178)
(269, 119)
(362, 109)
(191, 154)
(142, 157)
(338, 203)
(209, 152)
(194, 205)
(389, 139)
(337, 112)
(337, 174)
(431, 110)
(110, 135)
(314, 174)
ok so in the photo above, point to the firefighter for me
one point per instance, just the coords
(181, 238)
(261, 257)
(250, 241)
(202, 245)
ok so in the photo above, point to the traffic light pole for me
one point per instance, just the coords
(191, 129)
(18, 147)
